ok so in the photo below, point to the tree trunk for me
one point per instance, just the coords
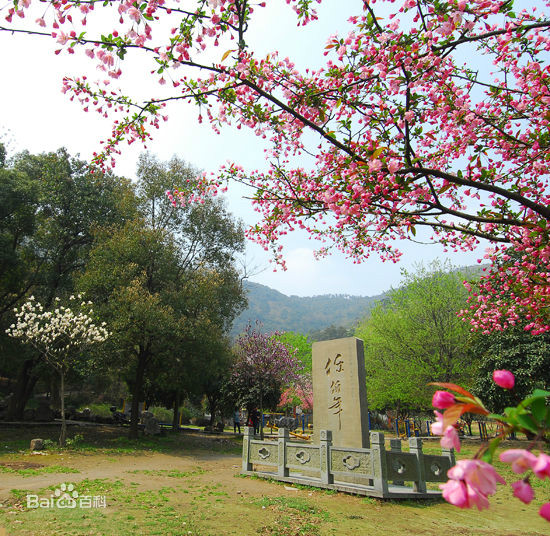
(136, 393)
(54, 390)
(24, 388)
(63, 435)
(261, 416)
(212, 406)
(176, 418)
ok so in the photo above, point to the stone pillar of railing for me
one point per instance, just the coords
(450, 454)
(378, 449)
(282, 469)
(415, 447)
(247, 437)
(325, 443)
(395, 446)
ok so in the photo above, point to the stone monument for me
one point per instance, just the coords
(343, 455)
(340, 393)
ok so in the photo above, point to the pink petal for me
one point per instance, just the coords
(523, 491)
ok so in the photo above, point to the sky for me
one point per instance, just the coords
(35, 115)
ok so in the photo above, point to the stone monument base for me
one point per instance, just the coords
(373, 471)
(393, 492)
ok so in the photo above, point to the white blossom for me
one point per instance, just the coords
(59, 334)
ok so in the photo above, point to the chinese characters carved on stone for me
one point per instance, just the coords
(334, 369)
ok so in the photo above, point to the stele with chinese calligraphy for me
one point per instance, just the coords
(339, 392)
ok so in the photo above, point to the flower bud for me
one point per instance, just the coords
(504, 379)
(443, 399)
(545, 511)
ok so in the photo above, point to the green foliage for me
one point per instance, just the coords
(526, 356)
(17, 224)
(414, 337)
(163, 278)
(75, 441)
(51, 204)
(168, 288)
(162, 414)
(72, 202)
(299, 343)
(331, 332)
(100, 410)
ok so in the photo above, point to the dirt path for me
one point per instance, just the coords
(193, 491)
(118, 466)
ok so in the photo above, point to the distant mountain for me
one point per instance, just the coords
(276, 311)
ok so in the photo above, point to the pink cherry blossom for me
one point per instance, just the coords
(456, 493)
(394, 111)
(62, 38)
(134, 13)
(393, 165)
(375, 165)
(522, 460)
(504, 379)
(449, 437)
(437, 426)
(471, 482)
(478, 474)
(523, 491)
(541, 467)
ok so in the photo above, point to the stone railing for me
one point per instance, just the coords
(371, 471)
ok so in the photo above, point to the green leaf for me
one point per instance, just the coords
(527, 422)
(490, 452)
(500, 418)
(537, 394)
(539, 410)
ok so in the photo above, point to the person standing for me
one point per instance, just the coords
(256, 420)
(236, 420)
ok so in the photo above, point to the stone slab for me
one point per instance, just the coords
(340, 393)
(394, 492)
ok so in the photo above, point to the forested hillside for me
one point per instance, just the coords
(279, 312)
(276, 311)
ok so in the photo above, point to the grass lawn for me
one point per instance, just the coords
(189, 484)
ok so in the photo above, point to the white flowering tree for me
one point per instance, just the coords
(60, 335)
